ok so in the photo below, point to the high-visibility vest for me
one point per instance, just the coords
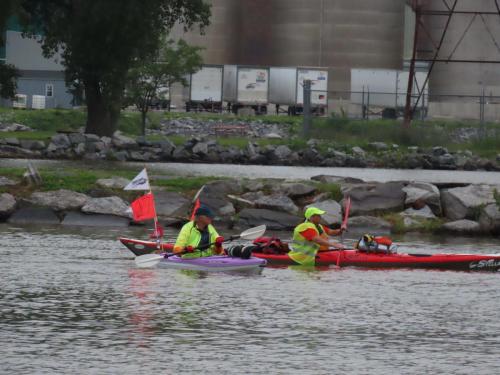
(303, 251)
(191, 236)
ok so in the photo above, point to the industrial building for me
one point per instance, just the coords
(347, 37)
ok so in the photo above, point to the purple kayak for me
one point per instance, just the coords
(211, 264)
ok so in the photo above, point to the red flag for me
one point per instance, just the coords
(143, 208)
(196, 206)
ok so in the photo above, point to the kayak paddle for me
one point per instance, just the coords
(343, 226)
(151, 260)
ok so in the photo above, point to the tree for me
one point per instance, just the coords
(8, 73)
(147, 79)
(8, 81)
(100, 40)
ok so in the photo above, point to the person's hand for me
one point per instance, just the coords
(342, 229)
(219, 240)
(188, 249)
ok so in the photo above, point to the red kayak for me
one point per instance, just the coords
(273, 251)
(356, 258)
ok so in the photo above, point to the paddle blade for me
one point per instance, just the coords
(253, 233)
(148, 260)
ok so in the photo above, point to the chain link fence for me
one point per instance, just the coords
(375, 105)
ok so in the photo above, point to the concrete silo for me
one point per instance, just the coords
(473, 34)
(220, 38)
(219, 41)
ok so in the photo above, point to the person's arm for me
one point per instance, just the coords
(218, 248)
(182, 239)
(333, 232)
(312, 235)
(324, 242)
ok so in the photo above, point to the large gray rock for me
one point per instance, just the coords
(423, 213)
(32, 144)
(274, 220)
(200, 148)
(373, 198)
(277, 202)
(214, 195)
(464, 202)
(171, 205)
(107, 206)
(113, 183)
(60, 141)
(463, 227)
(423, 192)
(369, 224)
(297, 190)
(34, 215)
(77, 138)
(282, 152)
(91, 220)
(490, 219)
(59, 200)
(333, 211)
(222, 187)
(121, 141)
(7, 205)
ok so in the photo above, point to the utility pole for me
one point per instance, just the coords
(411, 75)
(306, 126)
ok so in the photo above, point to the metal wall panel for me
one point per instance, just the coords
(477, 44)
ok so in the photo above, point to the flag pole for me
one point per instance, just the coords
(157, 232)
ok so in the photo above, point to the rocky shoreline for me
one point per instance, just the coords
(402, 206)
(204, 147)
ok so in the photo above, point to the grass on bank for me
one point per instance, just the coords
(333, 132)
(421, 225)
(84, 181)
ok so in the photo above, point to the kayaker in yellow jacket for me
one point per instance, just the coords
(198, 238)
(310, 237)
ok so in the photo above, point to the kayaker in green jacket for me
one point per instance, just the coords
(198, 238)
(310, 236)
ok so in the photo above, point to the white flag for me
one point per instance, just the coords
(140, 182)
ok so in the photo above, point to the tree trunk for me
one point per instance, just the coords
(143, 118)
(102, 116)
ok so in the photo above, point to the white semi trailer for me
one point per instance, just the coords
(205, 89)
(246, 87)
(386, 89)
(287, 88)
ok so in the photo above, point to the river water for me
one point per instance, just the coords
(71, 300)
(293, 173)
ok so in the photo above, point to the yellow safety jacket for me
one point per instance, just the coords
(190, 235)
(303, 251)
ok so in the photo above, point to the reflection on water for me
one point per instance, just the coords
(73, 301)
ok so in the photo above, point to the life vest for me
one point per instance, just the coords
(191, 236)
(303, 251)
(376, 244)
